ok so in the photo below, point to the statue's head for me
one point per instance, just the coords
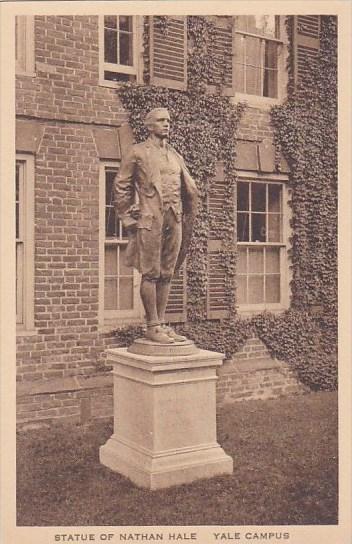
(157, 122)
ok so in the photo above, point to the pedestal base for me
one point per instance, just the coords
(165, 468)
(165, 419)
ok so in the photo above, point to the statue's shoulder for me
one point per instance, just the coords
(140, 148)
(173, 150)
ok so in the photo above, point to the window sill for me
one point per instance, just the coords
(22, 331)
(25, 73)
(245, 311)
(110, 84)
(112, 325)
(252, 100)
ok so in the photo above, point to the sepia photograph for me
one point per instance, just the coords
(173, 195)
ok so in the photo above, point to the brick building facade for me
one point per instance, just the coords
(71, 132)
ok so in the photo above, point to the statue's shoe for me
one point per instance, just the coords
(172, 334)
(157, 334)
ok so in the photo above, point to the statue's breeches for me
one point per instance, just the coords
(158, 246)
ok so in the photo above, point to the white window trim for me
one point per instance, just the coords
(136, 69)
(109, 320)
(27, 325)
(267, 102)
(25, 40)
(285, 261)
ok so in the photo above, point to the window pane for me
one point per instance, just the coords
(110, 21)
(272, 288)
(239, 60)
(270, 83)
(241, 289)
(110, 46)
(243, 227)
(255, 289)
(242, 260)
(274, 198)
(19, 282)
(242, 196)
(253, 81)
(110, 295)
(111, 223)
(111, 260)
(263, 25)
(253, 51)
(258, 227)
(274, 234)
(109, 181)
(256, 260)
(126, 294)
(270, 57)
(125, 22)
(17, 200)
(258, 197)
(126, 49)
(115, 76)
(124, 269)
(272, 260)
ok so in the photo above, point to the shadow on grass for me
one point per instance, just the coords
(285, 473)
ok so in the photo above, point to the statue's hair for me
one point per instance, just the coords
(150, 115)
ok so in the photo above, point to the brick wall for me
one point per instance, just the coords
(255, 124)
(65, 99)
(67, 74)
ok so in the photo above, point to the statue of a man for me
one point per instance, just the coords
(156, 200)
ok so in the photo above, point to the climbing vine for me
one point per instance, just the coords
(204, 128)
(306, 131)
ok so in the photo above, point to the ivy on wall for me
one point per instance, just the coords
(306, 130)
(204, 127)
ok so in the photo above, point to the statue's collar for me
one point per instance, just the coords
(150, 143)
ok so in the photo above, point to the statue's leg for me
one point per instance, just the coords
(148, 296)
(171, 244)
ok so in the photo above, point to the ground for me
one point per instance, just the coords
(285, 454)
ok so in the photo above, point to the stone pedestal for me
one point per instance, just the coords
(165, 418)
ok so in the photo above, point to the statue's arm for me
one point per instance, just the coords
(124, 191)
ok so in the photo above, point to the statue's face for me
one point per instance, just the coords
(160, 124)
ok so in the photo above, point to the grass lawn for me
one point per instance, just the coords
(285, 473)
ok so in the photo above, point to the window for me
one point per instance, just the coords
(118, 46)
(262, 254)
(119, 282)
(24, 190)
(24, 44)
(256, 55)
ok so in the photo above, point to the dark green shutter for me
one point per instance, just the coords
(168, 52)
(223, 51)
(306, 32)
(217, 299)
(177, 304)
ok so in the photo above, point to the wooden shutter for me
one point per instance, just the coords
(223, 51)
(177, 303)
(217, 299)
(168, 53)
(306, 32)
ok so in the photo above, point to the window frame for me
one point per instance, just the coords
(109, 319)
(284, 253)
(26, 222)
(282, 41)
(24, 44)
(135, 69)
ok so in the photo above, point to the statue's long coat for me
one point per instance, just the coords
(139, 174)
